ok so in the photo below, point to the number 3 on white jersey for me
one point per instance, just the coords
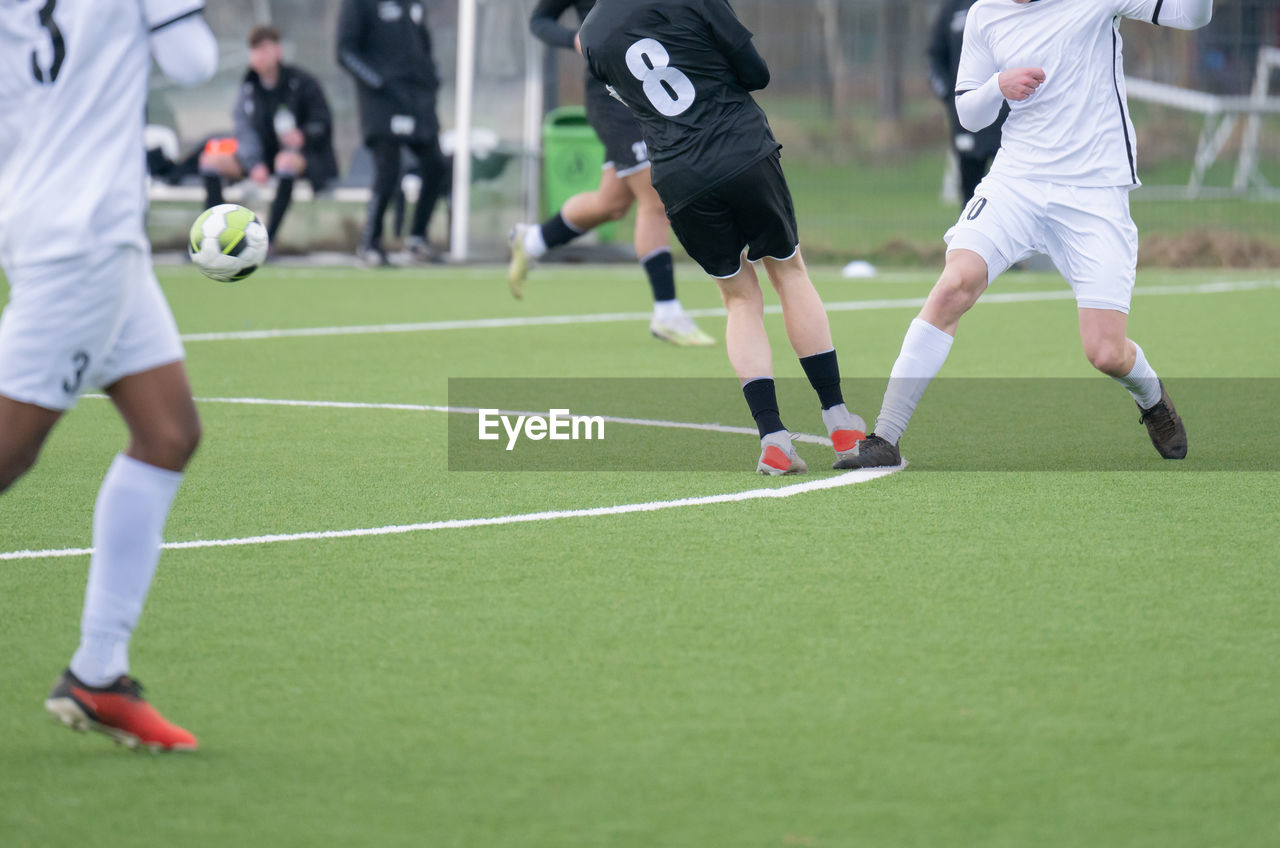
(668, 89)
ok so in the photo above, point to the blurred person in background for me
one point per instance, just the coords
(624, 182)
(1228, 47)
(283, 127)
(386, 47)
(974, 151)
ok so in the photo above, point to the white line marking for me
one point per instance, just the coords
(849, 478)
(616, 317)
(804, 438)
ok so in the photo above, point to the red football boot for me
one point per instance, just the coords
(118, 710)
(778, 456)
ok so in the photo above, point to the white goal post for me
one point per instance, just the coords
(1222, 116)
(459, 245)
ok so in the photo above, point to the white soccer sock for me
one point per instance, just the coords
(1142, 382)
(924, 350)
(128, 527)
(534, 244)
(667, 310)
(839, 417)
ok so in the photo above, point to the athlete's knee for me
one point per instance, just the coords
(960, 285)
(615, 207)
(168, 445)
(1110, 356)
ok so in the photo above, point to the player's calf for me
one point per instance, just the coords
(157, 407)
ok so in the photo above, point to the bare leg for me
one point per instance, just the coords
(1103, 335)
(164, 428)
(927, 344)
(745, 336)
(653, 231)
(802, 309)
(963, 281)
(609, 202)
(23, 430)
(130, 513)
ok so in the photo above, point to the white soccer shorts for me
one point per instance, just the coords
(1088, 234)
(83, 323)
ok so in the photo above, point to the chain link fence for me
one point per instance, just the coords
(865, 139)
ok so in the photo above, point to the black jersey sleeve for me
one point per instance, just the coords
(545, 23)
(353, 24)
(750, 67)
(729, 33)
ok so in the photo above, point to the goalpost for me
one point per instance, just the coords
(1222, 117)
(469, 121)
(465, 93)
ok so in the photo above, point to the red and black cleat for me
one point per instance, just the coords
(117, 710)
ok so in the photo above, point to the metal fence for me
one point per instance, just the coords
(850, 101)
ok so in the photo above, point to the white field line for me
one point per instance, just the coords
(849, 478)
(471, 410)
(615, 317)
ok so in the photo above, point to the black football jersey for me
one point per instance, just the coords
(545, 24)
(668, 60)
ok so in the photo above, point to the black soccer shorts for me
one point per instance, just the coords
(752, 211)
(619, 132)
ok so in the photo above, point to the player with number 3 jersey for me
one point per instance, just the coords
(85, 309)
(686, 70)
(1059, 186)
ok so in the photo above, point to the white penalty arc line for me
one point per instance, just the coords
(848, 478)
(617, 317)
(805, 438)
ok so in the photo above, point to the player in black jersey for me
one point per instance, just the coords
(685, 69)
(624, 183)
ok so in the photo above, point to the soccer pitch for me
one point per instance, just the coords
(935, 657)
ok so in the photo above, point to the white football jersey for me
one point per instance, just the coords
(73, 93)
(1075, 129)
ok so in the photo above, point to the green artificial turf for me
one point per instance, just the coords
(941, 657)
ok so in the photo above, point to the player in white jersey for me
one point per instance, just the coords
(85, 309)
(1060, 186)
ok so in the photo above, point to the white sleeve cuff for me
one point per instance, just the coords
(979, 108)
(1183, 14)
(186, 52)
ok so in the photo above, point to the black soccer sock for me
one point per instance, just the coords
(557, 231)
(212, 189)
(661, 269)
(824, 375)
(762, 398)
(279, 205)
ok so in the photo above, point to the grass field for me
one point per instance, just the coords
(960, 658)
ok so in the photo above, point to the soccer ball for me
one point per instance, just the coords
(228, 243)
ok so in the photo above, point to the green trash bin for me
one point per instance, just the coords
(572, 157)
